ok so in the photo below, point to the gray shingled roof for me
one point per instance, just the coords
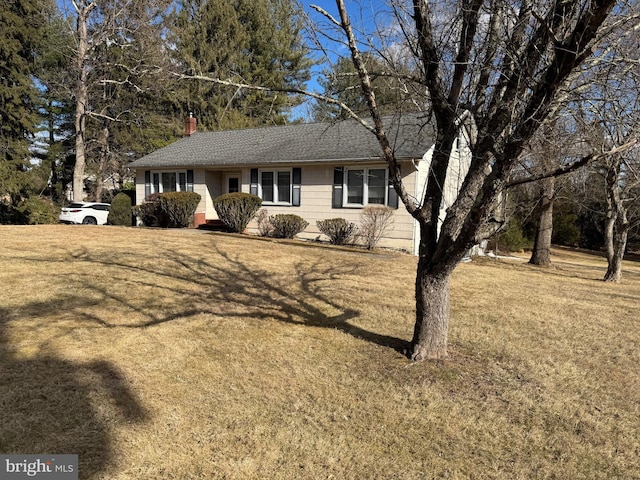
(347, 140)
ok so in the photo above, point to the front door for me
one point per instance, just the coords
(232, 183)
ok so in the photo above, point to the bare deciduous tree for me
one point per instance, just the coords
(610, 117)
(621, 175)
(499, 66)
(556, 143)
(83, 9)
(118, 49)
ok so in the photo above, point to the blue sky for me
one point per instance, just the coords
(362, 13)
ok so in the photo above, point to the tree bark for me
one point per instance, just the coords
(541, 254)
(431, 329)
(617, 224)
(619, 244)
(609, 229)
(82, 98)
(103, 140)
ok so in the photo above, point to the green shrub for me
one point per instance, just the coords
(9, 215)
(237, 209)
(565, 231)
(287, 225)
(168, 210)
(38, 210)
(512, 238)
(131, 193)
(149, 211)
(120, 212)
(177, 208)
(338, 230)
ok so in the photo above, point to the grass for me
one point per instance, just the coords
(181, 355)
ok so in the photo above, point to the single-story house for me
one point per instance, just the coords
(315, 170)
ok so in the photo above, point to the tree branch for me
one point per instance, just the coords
(367, 90)
(431, 61)
(467, 34)
(563, 170)
(323, 98)
(326, 14)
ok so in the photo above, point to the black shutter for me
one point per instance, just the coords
(338, 180)
(189, 180)
(392, 196)
(253, 189)
(296, 183)
(147, 183)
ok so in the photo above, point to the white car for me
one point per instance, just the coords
(88, 213)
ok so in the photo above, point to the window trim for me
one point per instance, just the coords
(365, 186)
(187, 175)
(276, 195)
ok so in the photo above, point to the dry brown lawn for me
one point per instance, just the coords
(178, 354)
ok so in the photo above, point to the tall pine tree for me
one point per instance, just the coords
(56, 106)
(256, 42)
(395, 92)
(20, 42)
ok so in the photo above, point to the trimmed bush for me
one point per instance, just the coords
(337, 229)
(375, 222)
(120, 212)
(168, 210)
(149, 211)
(177, 208)
(237, 209)
(287, 225)
(38, 211)
(146, 212)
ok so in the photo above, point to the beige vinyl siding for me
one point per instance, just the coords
(459, 162)
(316, 198)
(200, 188)
(213, 184)
(420, 185)
(140, 185)
(315, 205)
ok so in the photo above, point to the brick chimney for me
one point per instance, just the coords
(189, 126)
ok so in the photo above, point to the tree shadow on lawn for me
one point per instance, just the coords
(49, 403)
(53, 405)
(232, 287)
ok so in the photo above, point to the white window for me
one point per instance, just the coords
(165, 182)
(365, 186)
(275, 186)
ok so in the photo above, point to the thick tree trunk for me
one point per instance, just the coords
(617, 225)
(541, 254)
(82, 100)
(609, 228)
(432, 316)
(619, 244)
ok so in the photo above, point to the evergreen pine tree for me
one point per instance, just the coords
(256, 42)
(20, 42)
